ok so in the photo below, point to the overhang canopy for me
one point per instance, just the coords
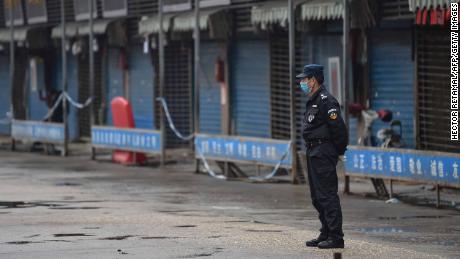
(71, 30)
(420, 4)
(21, 33)
(152, 24)
(186, 21)
(322, 10)
(275, 12)
(99, 27)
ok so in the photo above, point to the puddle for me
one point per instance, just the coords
(372, 230)
(68, 184)
(23, 205)
(199, 255)
(265, 231)
(185, 226)
(117, 237)
(32, 236)
(260, 222)
(72, 235)
(160, 237)
(21, 242)
(413, 217)
(75, 208)
(121, 252)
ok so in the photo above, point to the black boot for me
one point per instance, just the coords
(316, 241)
(331, 243)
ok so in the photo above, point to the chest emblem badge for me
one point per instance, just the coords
(311, 117)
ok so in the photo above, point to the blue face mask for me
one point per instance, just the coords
(304, 87)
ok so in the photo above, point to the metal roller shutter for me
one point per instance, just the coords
(114, 80)
(280, 91)
(251, 88)
(141, 87)
(84, 91)
(178, 90)
(5, 97)
(210, 107)
(392, 73)
(72, 89)
(433, 90)
(37, 108)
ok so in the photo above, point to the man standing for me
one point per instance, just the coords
(326, 138)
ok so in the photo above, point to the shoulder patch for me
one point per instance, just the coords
(323, 96)
(332, 113)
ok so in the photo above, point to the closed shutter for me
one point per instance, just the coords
(177, 90)
(280, 91)
(251, 88)
(5, 97)
(84, 122)
(72, 88)
(37, 108)
(210, 107)
(433, 89)
(395, 9)
(392, 73)
(141, 87)
(114, 80)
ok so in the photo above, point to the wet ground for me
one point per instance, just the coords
(52, 207)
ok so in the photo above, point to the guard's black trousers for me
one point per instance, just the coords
(322, 177)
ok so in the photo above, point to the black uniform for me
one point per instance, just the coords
(326, 137)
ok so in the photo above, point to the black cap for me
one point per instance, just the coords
(312, 70)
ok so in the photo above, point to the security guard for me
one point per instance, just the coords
(326, 138)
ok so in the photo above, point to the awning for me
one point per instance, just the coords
(322, 10)
(428, 4)
(152, 24)
(20, 33)
(71, 30)
(275, 12)
(99, 27)
(186, 21)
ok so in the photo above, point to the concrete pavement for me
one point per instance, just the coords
(53, 207)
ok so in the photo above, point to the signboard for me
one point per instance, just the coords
(209, 3)
(176, 5)
(18, 14)
(240, 149)
(36, 11)
(442, 168)
(82, 10)
(148, 141)
(38, 131)
(115, 8)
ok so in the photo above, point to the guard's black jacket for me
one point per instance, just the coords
(323, 120)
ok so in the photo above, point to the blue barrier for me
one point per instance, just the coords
(136, 140)
(243, 149)
(45, 132)
(404, 164)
